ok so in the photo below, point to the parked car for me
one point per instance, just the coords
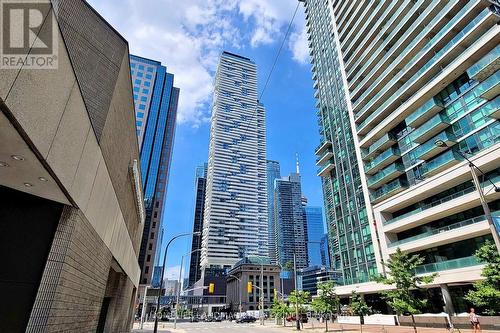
(303, 318)
(246, 319)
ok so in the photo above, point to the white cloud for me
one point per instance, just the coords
(299, 46)
(187, 36)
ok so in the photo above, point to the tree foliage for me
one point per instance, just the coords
(301, 298)
(486, 293)
(402, 275)
(279, 309)
(359, 306)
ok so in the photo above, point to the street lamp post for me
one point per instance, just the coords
(477, 184)
(180, 283)
(155, 330)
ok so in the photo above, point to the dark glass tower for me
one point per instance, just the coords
(290, 226)
(200, 188)
(273, 173)
(156, 101)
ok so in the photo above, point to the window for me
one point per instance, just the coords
(142, 107)
(148, 259)
(138, 123)
(140, 74)
(147, 84)
(137, 81)
(141, 67)
(140, 115)
(149, 76)
(136, 89)
(145, 91)
(150, 69)
(146, 269)
(150, 246)
(144, 99)
(152, 235)
(132, 64)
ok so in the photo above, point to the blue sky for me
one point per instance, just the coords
(188, 36)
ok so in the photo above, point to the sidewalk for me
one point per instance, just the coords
(316, 326)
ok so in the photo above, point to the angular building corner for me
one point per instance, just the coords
(393, 79)
(71, 201)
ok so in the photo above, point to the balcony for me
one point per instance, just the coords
(430, 149)
(441, 163)
(379, 146)
(423, 113)
(491, 86)
(440, 230)
(383, 176)
(325, 170)
(388, 190)
(489, 64)
(382, 160)
(495, 108)
(447, 265)
(441, 201)
(430, 128)
(324, 158)
(322, 147)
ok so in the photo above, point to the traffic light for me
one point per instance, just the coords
(249, 287)
(211, 288)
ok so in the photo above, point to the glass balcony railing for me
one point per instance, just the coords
(382, 160)
(415, 41)
(324, 171)
(450, 45)
(388, 190)
(440, 230)
(324, 158)
(448, 264)
(430, 128)
(490, 87)
(488, 64)
(380, 145)
(441, 201)
(430, 149)
(385, 175)
(415, 25)
(441, 163)
(429, 109)
(323, 146)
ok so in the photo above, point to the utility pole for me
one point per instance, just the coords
(262, 294)
(486, 208)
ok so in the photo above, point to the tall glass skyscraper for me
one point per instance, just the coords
(411, 87)
(273, 173)
(156, 101)
(315, 232)
(200, 185)
(235, 221)
(290, 224)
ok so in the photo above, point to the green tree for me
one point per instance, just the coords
(280, 310)
(299, 299)
(288, 266)
(360, 308)
(402, 275)
(486, 293)
(327, 301)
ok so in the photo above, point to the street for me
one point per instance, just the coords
(221, 327)
(312, 326)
